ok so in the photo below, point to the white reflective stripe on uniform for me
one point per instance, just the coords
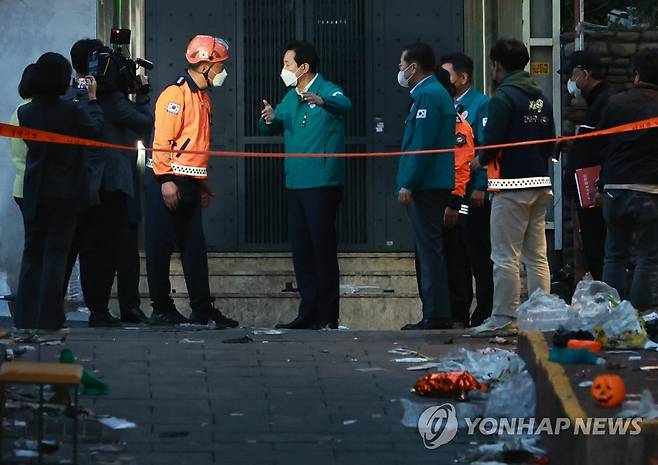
(519, 183)
(180, 169)
(189, 170)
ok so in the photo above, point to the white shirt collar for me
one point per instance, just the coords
(308, 86)
(412, 90)
(458, 99)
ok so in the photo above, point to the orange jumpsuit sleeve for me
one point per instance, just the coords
(169, 110)
(464, 153)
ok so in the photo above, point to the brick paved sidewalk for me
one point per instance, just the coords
(294, 398)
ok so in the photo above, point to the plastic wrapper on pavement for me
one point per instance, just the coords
(413, 409)
(486, 364)
(515, 397)
(511, 390)
(543, 312)
(455, 385)
(644, 408)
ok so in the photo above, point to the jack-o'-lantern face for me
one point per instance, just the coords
(608, 390)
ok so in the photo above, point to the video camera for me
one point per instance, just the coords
(116, 70)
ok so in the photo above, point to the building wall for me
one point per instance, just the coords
(29, 29)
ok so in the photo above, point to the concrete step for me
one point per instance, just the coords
(275, 281)
(358, 312)
(222, 263)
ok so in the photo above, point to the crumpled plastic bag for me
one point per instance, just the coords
(413, 410)
(597, 308)
(543, 312)
(513, 398)
(622, 329)
(593, 304)
(486, 365)
(644, 408)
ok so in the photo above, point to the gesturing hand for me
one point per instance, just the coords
(267, 112)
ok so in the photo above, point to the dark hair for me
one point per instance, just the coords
(645, 64)
(80, 54)
(512, 54)
(421, 53)
(26, 87)
(461, 62)
(444, 79)
(304, 53)
(51, 75)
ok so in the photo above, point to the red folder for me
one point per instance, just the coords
(586, 184)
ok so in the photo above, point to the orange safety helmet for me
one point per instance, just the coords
(206, 48)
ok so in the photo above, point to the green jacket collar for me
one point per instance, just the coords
(422, 84)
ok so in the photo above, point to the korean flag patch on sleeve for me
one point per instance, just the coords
(421, 114)
(173, 108)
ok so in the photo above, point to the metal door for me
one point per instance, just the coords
(359, 43)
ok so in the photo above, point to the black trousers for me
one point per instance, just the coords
(100, 247)
(313, 239)
(48, 238)
(181, 230)
(478, 233)
(593, 232)
(128, 269)
(460, 278)
(426, 216)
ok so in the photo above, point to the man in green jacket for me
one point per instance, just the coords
(311, 117)
(473, 106)
(425, 182)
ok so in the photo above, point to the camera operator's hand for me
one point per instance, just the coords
(170, 195)
(92, 86)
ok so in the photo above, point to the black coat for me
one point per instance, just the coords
(56, 172)
(589, 152)
(113, 170)
(631, 157)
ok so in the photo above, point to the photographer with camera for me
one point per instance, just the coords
(54, 191)
(111, 175)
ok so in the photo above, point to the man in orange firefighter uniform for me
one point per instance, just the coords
(177, 188)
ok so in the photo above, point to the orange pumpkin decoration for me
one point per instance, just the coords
(608, 390)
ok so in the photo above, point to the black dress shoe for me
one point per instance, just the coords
(205, 317)
(103, 320)
(134, 315)
(297, 323)
(428, 324)
(170, 318)
(319, 325)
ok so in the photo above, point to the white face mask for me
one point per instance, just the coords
(219, 79)
(572, 88)
(289, 78)
(403, 81)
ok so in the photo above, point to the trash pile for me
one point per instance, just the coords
(493, 382)
(486, 383)
(22, 405)
(595, 308)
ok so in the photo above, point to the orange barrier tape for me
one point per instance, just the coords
(18, 132)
